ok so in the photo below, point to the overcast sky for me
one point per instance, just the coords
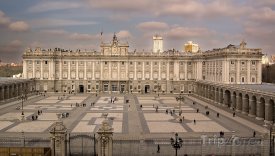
(76, 24)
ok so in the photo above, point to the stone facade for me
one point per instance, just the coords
(115, 69)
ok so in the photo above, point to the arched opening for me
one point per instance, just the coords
(234, 100)
(240, 102)
(252, 106)
(270, 111)
(213, 93)
(261, 109)
(245, 104)
(227, 100)
(221, 96)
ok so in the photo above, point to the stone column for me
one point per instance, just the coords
(159, 77)
(252, 108)
(58, 139)
(238, 104)
(238, 72)
(93, 72)
(135, 71)
(259, 72)
(259, 111)
(151, 71)
(24, 69)
(60, 70)
(245, 105)
(233, 101)
(185, 70)
(105, 140)
(85, 70)
(167, 73)
(69, 70)
(268, 113)
(248, 71)
(76, 73)
(41, 70)
(143, 70)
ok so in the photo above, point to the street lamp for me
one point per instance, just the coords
(176, 143)
(22, 98)
(181, 99)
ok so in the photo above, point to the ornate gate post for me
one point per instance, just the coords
(105, 140)
(58, 139)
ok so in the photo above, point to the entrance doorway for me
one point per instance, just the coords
(147, 89)
(81, 89)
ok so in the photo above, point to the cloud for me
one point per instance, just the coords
(124, 34)
(48, 22)
(145, 26)
(4, 20)
(187, 32)
(119, 5)
(19, 26)
(11, 51)
(266, 15)
(51, 6)
(54, 31)
(77, 36)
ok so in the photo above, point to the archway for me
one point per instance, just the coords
(270, 111)
(261, 109)
(252, 106)
(227, 100)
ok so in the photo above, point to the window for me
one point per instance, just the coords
(253, 62)
(156, 63)
(106, 63)
(30, 62)
(181, 63)
(189, 63)
(72, 62)
(37, 62)
(203, 63)
(232, 62)
(171, 63)
(243, 62)
(46, 62)
(163, 63)
(131, 63)
(122, 62)
(138, 63)
(64, 62)
(147, 63)
(81, 62)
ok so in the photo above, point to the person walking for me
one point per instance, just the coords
(158, 151)
(234, 114)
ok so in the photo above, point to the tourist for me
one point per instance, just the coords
(254, 134)
(197, 110)
(194, 121)
(218, 114)
(234, 114)
(158, 149)
(166, 111)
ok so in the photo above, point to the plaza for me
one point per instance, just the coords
(138, 118)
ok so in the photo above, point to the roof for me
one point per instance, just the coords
(7, 81)
(266, 87)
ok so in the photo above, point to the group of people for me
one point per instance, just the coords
(35, 116)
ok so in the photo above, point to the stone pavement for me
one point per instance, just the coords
(145, 116)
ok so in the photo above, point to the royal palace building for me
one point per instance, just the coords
(115, 69)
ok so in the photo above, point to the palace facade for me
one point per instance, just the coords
(115, 69)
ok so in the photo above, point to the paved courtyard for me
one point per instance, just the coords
(144, 114)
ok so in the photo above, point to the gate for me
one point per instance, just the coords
(81, 145)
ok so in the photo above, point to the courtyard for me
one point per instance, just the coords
(146, 116)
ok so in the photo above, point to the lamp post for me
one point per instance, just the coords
(181, 99)
(176, 143)
(22, 98)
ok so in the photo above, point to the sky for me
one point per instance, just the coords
(77, 24)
